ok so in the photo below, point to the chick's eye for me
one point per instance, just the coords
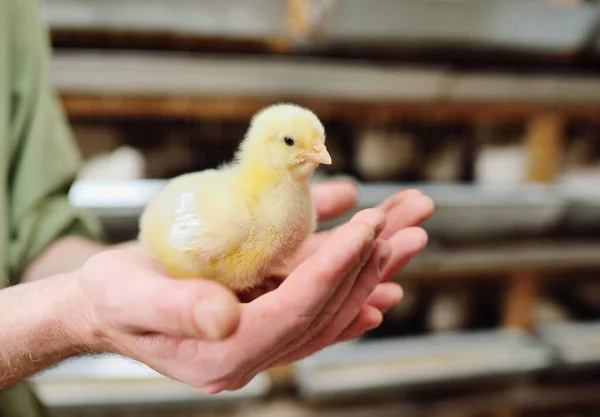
(288, 141)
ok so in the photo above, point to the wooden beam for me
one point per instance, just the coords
(521, 297)
(282, 378)
(98, 106)
(544, 145)
(544, 148)
(298, 25)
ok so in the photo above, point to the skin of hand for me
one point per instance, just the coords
(195, 331)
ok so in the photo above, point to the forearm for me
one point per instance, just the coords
(42, 323)
(68, 254)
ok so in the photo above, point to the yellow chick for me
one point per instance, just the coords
(233, 223)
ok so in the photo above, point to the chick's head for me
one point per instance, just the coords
(286, 137)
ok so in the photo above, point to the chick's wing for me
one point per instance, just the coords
(199, 213)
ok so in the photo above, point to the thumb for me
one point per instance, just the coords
(186, 308)
(333, 198)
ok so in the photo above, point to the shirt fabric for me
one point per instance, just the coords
(38, 163)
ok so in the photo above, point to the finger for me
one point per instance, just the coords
(385, 296)
(313, 328)
(405, 209)
(368, 319)
(333, 198)
(282, 315)
(322, 319)
(293, 323)
(398, 198)
(413, 210)
(307, 324)
(373, 216)
(315, 281)
(405, 243)
(179, 308)
(349, 310)
(314, 242)
(380, 250)
(310, 246)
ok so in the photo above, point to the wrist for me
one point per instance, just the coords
(76, 320)
(42, 323)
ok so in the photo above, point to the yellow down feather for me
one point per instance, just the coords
(232, 224)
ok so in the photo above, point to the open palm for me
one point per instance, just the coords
(404, 211)
(195, 330)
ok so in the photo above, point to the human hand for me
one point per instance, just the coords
(404, 211)
(195, 331)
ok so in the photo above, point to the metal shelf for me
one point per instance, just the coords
(506, 24)
(170, 75)
(152, 74)
(574, 343)
(358, 368)
(463, 212)
(209, 17)
(530, 25)
(108, 380)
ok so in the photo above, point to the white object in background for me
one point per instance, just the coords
(449, 311)
(573, 343)
(546, 312)
(382, 155)
(501, 164)
(583, 182)
(445, 164)
(124, 163)
(109, 380)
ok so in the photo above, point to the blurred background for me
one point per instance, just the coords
(492, 107)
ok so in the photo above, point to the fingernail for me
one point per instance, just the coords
(385, 253)
(210, 316)
(425, 202)
(376, 319)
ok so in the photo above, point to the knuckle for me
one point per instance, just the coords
(412, 193)
(299, 323)
(212, 388)
(228, 382)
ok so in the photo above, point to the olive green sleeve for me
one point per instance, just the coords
(21, 401)
(46, 158)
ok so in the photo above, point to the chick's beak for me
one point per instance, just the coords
(320, 155)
